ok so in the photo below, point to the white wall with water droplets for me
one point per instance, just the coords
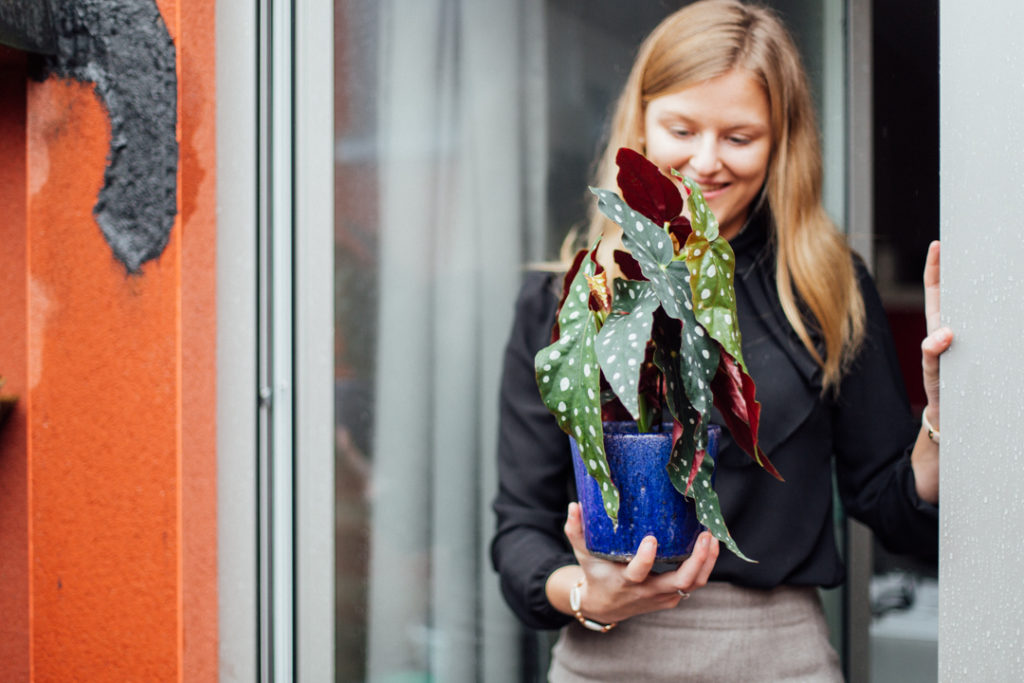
(981, 607)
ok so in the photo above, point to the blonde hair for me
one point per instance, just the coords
(815, 274)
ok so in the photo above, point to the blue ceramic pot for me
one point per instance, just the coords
(648, 502)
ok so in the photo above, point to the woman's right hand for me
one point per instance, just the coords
(613, 591)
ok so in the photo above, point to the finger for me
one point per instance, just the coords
(686, 575)
(574, 531)
(936, 343)
(709, 563)
(932, 288)
(640, 566)
(933, 346)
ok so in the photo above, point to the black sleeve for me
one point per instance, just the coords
(534, 468)
(874, 435)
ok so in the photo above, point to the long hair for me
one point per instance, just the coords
(815, 275)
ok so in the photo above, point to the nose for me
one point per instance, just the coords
(705, 160)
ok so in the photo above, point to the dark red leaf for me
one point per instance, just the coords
(698, 460)
(698, 455)
(628, 265)
(679, 229)
(613, 411)
(733, 391)
(651, 380)
(646, 189)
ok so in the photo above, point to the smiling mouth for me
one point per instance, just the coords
(707, 188)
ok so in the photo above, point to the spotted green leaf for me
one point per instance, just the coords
(702, 219)
(712, 268)
(650, 238)
(622, 342)
(648, 243)
(688, 434)
(709, 510)
(688, 451)
(689, 373)
(698, 351)
(689, 365)
(689, 469)
(569, 380)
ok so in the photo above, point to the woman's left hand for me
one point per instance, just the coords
(925, 458)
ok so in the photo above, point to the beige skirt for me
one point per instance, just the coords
(721, 633)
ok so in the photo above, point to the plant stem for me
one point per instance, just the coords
(644, 422)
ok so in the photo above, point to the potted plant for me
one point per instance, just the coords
(664, 336)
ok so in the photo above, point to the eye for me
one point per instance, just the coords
(680, 132)
(739, 140)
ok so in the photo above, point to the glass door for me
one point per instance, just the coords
(463, 137)
(904, 590)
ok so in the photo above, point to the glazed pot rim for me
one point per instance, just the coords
(629, 428)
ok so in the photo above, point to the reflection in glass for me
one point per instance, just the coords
(355, 296)
(464, 134)
(463, 137)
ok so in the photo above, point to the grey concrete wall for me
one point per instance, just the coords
(982, 185)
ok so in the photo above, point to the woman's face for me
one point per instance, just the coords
(717, 132)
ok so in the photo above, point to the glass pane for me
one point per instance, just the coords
(356, 295)
(818, 28)
(904, 591)
(464, 133)
(461, 154)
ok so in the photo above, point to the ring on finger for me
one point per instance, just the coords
(683, 594)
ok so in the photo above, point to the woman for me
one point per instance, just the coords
(718, 93)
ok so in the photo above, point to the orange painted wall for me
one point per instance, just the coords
(108, 468)
(197, 192)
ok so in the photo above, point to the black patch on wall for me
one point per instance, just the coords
(124, 48)
(27, 25)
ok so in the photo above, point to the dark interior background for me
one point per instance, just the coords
(906, 184)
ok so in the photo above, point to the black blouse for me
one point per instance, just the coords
(867, 431)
